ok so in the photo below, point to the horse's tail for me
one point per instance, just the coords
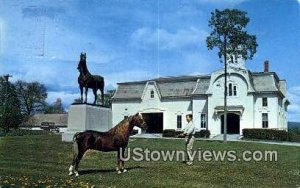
(75, 144)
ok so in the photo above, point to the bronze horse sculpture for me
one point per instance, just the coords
(116, 139)
(87, 80)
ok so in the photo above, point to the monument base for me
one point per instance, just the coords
(83, 117)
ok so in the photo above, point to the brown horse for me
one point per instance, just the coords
(116, 139)
(87, 80)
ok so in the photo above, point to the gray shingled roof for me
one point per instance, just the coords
(264, 82)
(58, 119)
(185, 86)
(202, 86)
(130, 91)
(176, 89)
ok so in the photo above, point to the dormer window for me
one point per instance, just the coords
(151, 94)
(232, 90)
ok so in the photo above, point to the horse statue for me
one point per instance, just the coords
(116, 139)
(87, 80)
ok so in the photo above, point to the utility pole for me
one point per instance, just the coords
(6, 78)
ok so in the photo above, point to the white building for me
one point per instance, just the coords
(255, 100)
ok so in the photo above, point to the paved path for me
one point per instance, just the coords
(230, 138)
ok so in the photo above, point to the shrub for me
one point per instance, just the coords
(294, 137)
(266, 134)
(202, 134)
(169, 133)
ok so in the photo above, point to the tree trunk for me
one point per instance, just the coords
(225, 93)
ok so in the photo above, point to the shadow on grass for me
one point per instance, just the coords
(95, 171)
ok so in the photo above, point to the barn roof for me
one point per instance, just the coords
(187, 86)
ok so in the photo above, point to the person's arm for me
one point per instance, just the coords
(190, 129)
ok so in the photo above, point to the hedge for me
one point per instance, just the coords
(171, 133)
(202, 134)
(23, 132)
(174, 133)
(271, 134)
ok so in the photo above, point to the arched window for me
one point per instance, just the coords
(230, 90)
(152, 94)
(234, 91)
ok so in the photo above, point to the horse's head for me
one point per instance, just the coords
(138, 120)
(83, 57)
(82, 63)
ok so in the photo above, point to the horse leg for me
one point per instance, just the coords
(120, 168)
(95, 94)
(86, 91)
(78, 154)
(122, 161)
(102, 95)
(81, 93)
(119, 162)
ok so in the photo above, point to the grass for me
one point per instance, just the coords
(43, 161)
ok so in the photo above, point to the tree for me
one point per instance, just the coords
(107, 98)
(232, 41)
(10, 114)
(32, 97)
(55, 108)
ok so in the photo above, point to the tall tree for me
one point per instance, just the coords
(10, 114)
(232, 42)
(32, 97)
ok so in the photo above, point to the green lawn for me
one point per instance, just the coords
(43, 161)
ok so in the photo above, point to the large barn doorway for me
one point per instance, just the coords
(233, 124)
(154, 122)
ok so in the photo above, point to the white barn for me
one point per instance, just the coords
(255, 100)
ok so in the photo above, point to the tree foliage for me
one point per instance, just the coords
(10, 113)
(107, 98)
(229, 35)
(55, 108)
(32, 97)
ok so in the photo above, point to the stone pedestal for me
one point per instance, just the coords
(83, 117)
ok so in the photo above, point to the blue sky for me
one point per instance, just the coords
(127, 40)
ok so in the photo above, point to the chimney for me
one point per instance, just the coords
(266, 66)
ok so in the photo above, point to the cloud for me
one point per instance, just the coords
(294, 107)
(35, 11)
(223, 2)
(164, 40)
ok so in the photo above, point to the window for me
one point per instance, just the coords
(230, 90)
(265, 101)
(203, 120)
(265, 122)
(125, 117)
(152, 94)
(234, 90)
(179, 121)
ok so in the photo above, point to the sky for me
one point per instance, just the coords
(130, 40)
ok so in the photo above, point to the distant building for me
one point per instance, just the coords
(255, 100)
(60, 120)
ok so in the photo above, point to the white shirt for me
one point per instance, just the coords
(189, 128)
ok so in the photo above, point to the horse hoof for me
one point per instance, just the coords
(76, 174)
(71, 173)
(124, 170)
(119, 172)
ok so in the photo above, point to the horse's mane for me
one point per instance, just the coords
(120, 125)
(82, 63)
